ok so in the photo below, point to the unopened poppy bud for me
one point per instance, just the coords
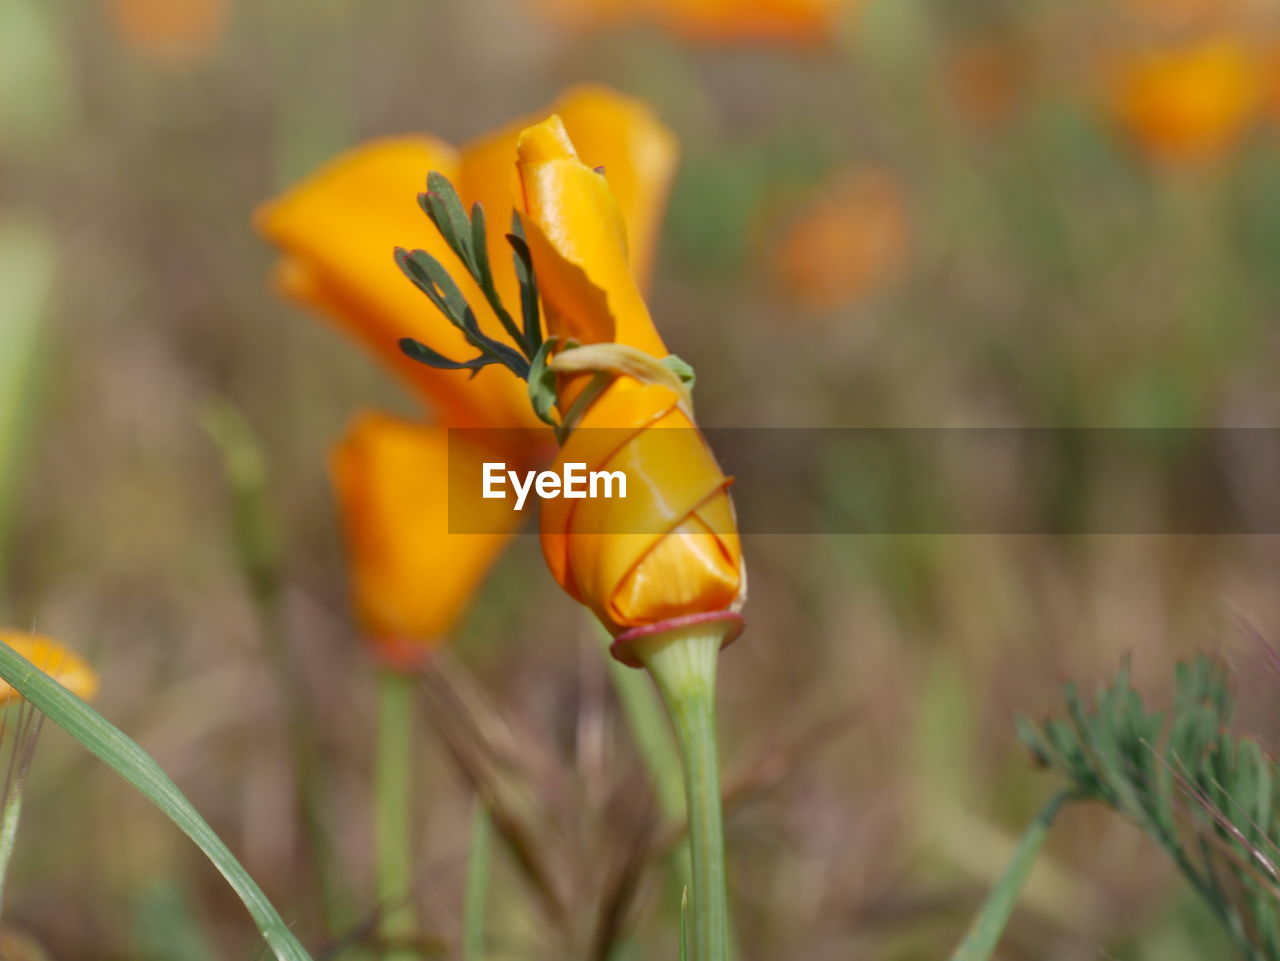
(671, 548)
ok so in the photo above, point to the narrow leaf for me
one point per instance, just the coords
(542, 383)
(484, 276)
(429, 275)
(443, 206)
(417, 350)
(477, 885)
(123, 755)
(528, 284)
(988, 927)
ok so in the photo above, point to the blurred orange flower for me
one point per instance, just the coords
(59, 662)
(670, 548)
(338, 229)
(788, 21)
(1181, 13)
(173, 32)
(1188, 105)
(852, 239)
(411, 578)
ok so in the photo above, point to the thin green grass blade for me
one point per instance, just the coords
(119, 752)
(26, 280)
(684, 925)
(984, 934)
(477, 892)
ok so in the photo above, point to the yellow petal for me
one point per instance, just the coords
(61, 663)
(579, 245)
(411, 578)
(610, 130)
(338, 231)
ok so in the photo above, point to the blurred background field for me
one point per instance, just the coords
(887, 213)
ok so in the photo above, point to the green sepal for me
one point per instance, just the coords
(682, 369)
(523, 259)
(429, 276)
(483, 276)
(542, 383)
(442, 204)
(417, 350)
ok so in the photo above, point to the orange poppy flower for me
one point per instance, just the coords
(670, 548)
(61, 663)
(411, 578)
(337, 231)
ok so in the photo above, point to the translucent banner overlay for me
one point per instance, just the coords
(884, 480)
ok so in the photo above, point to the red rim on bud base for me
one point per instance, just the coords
(623, 644)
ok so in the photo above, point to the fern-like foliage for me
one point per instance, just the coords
(1206, 796)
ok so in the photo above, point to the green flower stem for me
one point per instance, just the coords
(393, 813)
(984, 935)
(645, 718)
(9, 818)
(257, 540)
(26, 280)
(682, 663)
(477, 891)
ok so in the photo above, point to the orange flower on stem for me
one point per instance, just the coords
(661, 567)
(411, 578)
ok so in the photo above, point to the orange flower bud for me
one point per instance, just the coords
(670, 548)
(411, 579)
(61, 663)
(1188, 105)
